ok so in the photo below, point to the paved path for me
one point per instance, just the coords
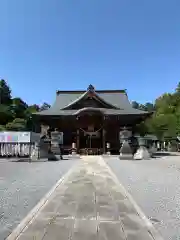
(89, 204)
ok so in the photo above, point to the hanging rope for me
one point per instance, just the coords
(91, 133)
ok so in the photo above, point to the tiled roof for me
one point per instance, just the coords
(104, 111)
(115, 98)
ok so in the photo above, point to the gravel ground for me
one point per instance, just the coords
(155, 185)
(22, 185)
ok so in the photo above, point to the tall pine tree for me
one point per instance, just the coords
(5, 93)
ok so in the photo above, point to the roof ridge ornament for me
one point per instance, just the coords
(91, 88)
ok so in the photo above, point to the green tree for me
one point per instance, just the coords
(18, 124)
(142, 107)
(44, 106)
(149, 107)
(142, 129)
(6, 114)
(28, 113)
(33, 108)
(178, 88)
(5, 92)
(135, 104)
(19, 107)
(163, 125)
(2, 128)
(165, 104)
(30, 110)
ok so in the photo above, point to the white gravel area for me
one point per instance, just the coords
(22, 185)
(155, 185)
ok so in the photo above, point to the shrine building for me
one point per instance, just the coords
(91, 118)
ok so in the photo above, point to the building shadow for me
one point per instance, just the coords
(164, 154)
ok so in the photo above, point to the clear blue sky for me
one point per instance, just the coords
(46, 45)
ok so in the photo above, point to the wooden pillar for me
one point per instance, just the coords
(77, 140)
(104, 140)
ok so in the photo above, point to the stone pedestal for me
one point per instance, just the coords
(126, 152)
(74, 149)
(46, 150)
(74, 153)
(142, 153)
(53, 157)
(34, 156)
(108, 149)
(43, 149)
(172, 147)
(39, 151)
(55, 150)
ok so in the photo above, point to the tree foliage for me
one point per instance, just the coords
(5, 92)
(44, 106)
(15, 114)
(18, 124)
(165, 121)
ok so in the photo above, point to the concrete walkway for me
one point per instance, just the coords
(89, 204)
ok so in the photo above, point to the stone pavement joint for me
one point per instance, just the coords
(90, 204)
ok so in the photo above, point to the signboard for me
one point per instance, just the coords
(9, 137)
(2, 137)
(14, 137)
(24, 137)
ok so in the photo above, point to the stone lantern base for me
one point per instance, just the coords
(152, 150)
(126, 152)
(142, 154)
(74, 151)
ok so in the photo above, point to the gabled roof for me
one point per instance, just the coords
(92, 94)
(116, 100)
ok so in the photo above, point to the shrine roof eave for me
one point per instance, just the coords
(103, 111)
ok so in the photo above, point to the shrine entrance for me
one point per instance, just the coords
(91, 141)
(91, 133)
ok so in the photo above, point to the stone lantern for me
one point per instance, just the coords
(125, 150)
(142, 151)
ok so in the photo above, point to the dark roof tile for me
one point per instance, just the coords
(116, 98)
